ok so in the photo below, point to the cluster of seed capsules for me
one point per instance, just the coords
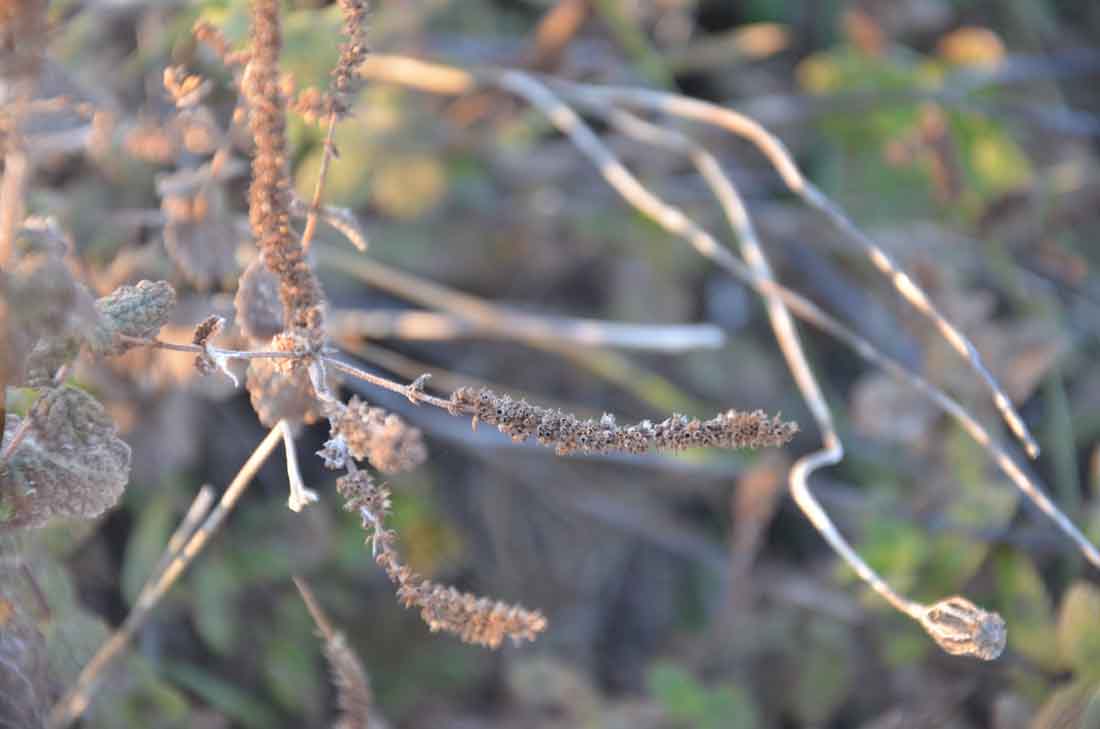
(568, 434)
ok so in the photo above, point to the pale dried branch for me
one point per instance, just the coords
(512, 326)
(170, 567)
(777, 154)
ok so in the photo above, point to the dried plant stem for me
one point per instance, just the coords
(300, 496)
(326, 159)
(314, 607)
(832, 452)
(646, 385)
(196, 349)
(447, 80)
(411, 391)
(13, 190)
(781, 160)
(189, 541)
(342, 220)
(561, 331)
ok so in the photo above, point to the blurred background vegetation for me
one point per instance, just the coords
(680, 591)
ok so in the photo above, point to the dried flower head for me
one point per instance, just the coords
(135, 311)
(70, 464)
(963, 629)
(360, 492)
(277, 396)
(206, 362)
(476, 620)
(385, 440)
(568, 434)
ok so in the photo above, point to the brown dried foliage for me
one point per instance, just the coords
(385, 440)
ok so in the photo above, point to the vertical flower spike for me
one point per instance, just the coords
(269, 196)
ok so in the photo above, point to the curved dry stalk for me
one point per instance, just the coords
(562, 331)
(738, 216)
(435, 78)
(832, 451)
(440, 79)
(186, 544)
(780, 158)
(786, 334)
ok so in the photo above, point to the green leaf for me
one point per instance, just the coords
(1023, 602)
(223, 696)
(291, 669)
(216, 615)
(730, 707)
(677, 691)
(1069, 708)
(155, 519)
(148, 701)
(1079, 629)
(824, 671)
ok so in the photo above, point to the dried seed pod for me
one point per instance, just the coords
(963, 629)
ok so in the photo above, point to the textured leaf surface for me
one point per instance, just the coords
(71, 463)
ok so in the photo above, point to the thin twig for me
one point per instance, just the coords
(342, 220)
(322, 173)
(213, 351)
(411, 391)
(512, 326)
(300, 496)
(76, 701)
(314, 607)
